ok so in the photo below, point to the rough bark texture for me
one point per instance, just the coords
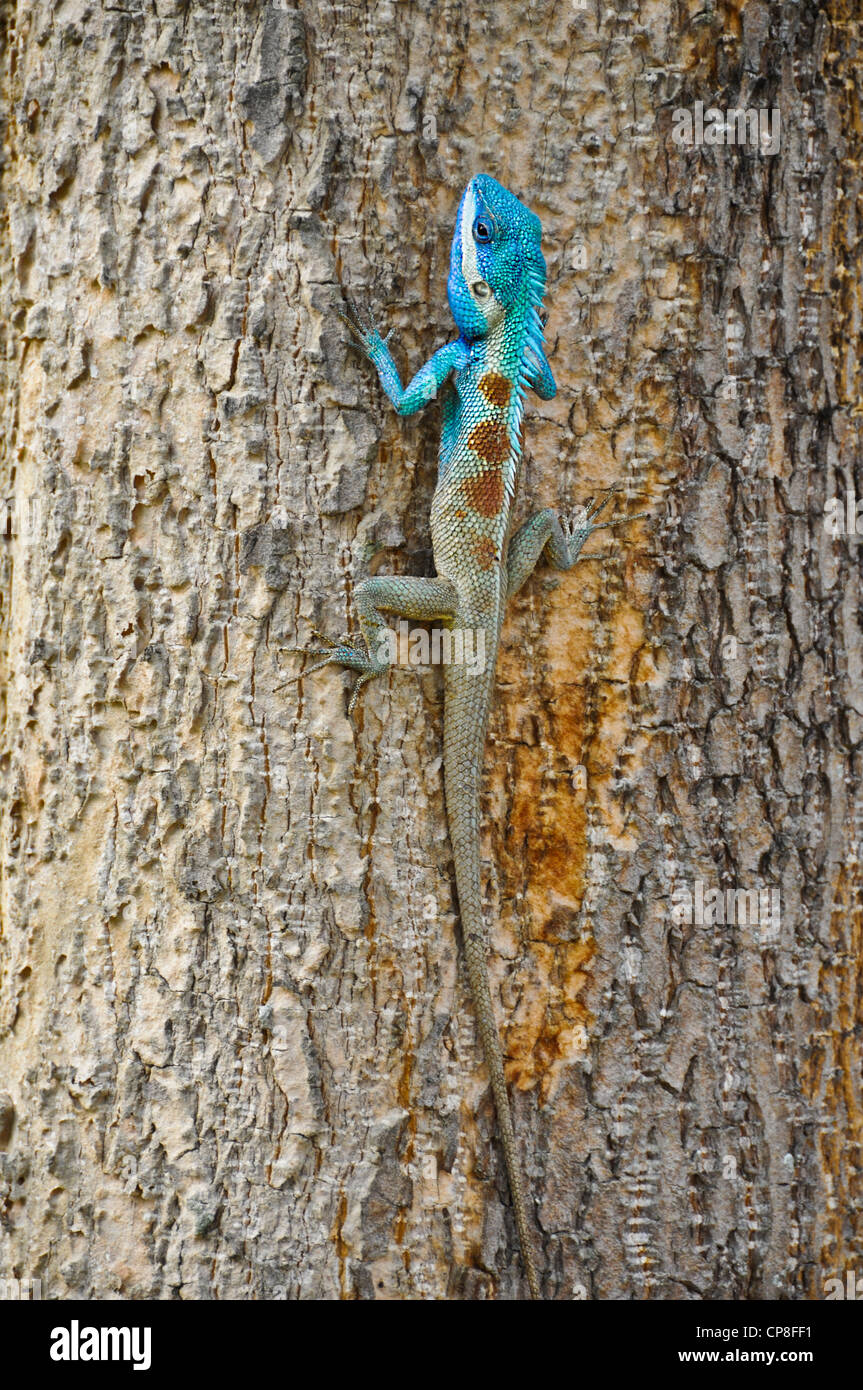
(236, 1047)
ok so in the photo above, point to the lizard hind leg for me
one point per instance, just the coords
(558, 536)
(404, 596)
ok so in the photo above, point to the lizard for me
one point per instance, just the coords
(495, 289)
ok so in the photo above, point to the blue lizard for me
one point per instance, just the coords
(496, 283)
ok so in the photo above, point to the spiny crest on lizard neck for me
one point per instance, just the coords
(497, 270)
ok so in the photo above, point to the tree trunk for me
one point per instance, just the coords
(237, 1050)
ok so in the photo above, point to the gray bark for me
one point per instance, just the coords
(237, 1053)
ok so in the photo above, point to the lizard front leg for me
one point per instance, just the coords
(404, 596)
(428, 380)
(561, 537)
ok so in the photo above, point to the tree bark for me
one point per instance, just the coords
(237, 1052)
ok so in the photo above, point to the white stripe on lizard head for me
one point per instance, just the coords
(482, 295)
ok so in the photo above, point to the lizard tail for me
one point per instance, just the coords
(462, 767)
(475, 949)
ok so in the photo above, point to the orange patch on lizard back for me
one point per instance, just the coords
(484, 492)
(495, 388)
(485, 552)
(490, 440)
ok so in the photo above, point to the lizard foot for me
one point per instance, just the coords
(580, 524)
(340, 654)
(365, 331)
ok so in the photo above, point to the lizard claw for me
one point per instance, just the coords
(326, 650)
(619, 521)
(358, 685)
(579, 526)
(364, 330)
(592, 508)
(354, 321)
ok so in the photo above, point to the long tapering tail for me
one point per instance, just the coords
(464, 738)
(475, 949)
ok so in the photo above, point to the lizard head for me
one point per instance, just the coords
(496, 265)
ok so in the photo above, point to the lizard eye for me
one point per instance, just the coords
(482, 229)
